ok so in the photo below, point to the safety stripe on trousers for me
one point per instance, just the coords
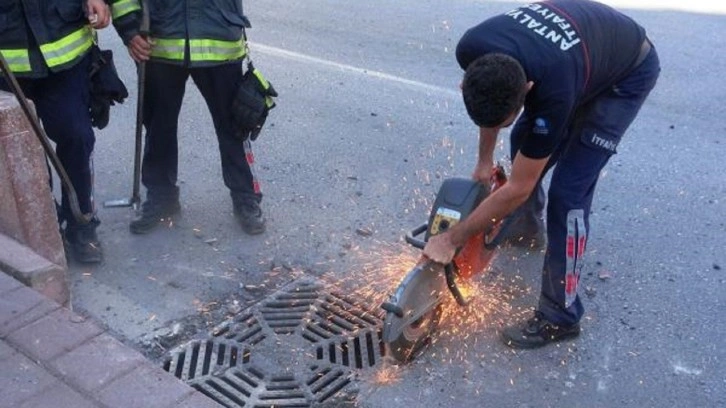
(67, 48)
(575, 248)
(122, 7)
(250, 157)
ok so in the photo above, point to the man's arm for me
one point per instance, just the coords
(126, 18)
(525, 174)
(485, 162)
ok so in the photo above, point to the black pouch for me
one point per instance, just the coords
(106, 86)
(252, 103)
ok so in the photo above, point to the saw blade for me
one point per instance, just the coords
(419, 293)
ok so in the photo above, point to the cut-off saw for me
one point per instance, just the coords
(414, 310)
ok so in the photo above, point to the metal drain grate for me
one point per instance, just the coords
(299, 348)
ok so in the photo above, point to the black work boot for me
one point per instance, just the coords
(537, 332)
(249, 216)
(82, 242)
(157, 209)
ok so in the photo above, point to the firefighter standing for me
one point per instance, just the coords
(201, 39)
(46, 44)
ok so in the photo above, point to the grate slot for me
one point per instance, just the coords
(357, 353)
(223, 393)
(352, 314)
(316, 331)
(370, 349)
(193, 361)
(336, 320)
(332, 330)
(221, 356)
(327, 378)
(215, 395)
(363, 316)
(334, 389)
(180, 364)
(245, 378)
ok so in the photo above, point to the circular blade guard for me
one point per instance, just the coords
(418, 297)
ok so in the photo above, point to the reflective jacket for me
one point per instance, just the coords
(194, 32)
(41, 35)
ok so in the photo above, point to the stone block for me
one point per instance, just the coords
(59, 395)
(8, 283)
(146, 386)
(21, 379)
(33, 270)
(52, 335)
(22, 307)
(97, 362)
(27, 212)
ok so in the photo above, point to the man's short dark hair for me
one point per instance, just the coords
(494, 87)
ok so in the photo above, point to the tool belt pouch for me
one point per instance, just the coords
(252, 103)
(105, 85)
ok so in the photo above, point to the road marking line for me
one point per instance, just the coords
(279, 52)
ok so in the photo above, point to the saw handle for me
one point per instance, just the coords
(411, 236)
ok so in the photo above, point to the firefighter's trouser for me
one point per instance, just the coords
(164, 92)
(62, 102)
(591, 140)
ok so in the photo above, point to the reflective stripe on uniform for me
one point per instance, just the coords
(269, 102)
(122, 7)
(67, 48)
(215, 50)
(168, 49)
(18, 60)
(575, 248)
(199, 50)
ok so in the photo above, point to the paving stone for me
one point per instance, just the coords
(145, 386)
(198, 400)
(59, 395)
(8, 283)
(21, 307)
(21, 379)
(17, 302)
(54, 334)
(5, 350)
(97, 362)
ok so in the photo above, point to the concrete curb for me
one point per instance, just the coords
(33, 270)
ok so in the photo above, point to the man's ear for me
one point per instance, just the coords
(529, 85)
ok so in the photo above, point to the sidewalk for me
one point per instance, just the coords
(52, 357)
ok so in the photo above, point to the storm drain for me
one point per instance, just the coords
(302, 347)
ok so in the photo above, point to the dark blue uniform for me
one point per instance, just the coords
(592, 69)
(192, 38)
(46, 44)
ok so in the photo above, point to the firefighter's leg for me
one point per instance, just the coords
(218, 85)
(596, 135)
(63, 101)
(163, 96)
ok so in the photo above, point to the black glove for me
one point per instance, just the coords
(106, 86)
(252, 103)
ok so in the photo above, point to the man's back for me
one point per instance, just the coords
(577, 45)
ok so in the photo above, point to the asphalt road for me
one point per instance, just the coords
(369, 121)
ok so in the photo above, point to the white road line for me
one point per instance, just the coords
(279, 52)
